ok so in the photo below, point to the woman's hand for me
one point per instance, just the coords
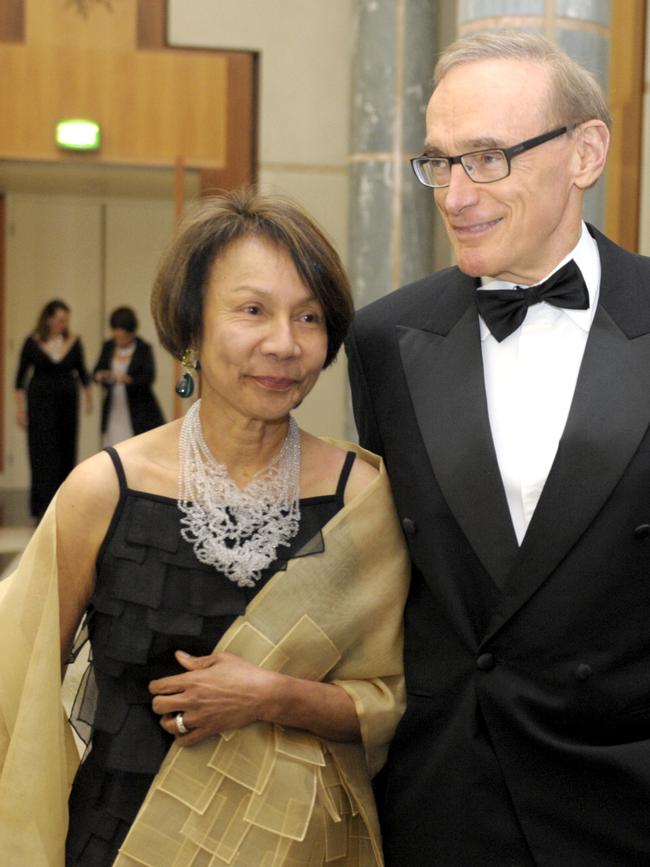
(21, 408)
(216, 693)
(223, 692)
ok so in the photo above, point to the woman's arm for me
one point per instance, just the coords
(24, 364)
(222, 692)
(26, 361)
(21, 408)
(85, 505)
(80, 364)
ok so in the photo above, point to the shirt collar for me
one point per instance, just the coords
(587, 258)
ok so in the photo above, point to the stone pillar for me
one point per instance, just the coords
(390, 214)
(579, 27)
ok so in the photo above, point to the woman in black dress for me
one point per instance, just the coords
(47, 403)
(126, 370)
(243, 583)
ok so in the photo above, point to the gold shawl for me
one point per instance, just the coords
(263, 795)
(38, 758)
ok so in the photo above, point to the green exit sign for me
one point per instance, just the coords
(78, 134)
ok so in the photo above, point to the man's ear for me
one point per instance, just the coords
(592, 143)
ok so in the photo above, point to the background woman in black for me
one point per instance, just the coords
(48, 406)
(126, 370)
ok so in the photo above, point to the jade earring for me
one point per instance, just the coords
(185, 385)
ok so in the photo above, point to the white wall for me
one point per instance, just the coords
(304, 106)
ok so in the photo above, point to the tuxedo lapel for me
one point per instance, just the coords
(444, 373)
(609, 416)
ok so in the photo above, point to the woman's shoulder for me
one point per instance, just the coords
(323, 463)
(150, 460)
(89, 495)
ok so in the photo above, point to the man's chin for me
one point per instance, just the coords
(471, 263)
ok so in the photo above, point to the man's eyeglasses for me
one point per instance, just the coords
(482, 167)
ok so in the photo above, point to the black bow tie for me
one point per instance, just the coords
(503, 310)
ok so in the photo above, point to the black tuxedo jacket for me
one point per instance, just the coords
(143, 407)
(526, 738)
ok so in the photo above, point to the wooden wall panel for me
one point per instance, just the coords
(157, 105)
(140, 98)
(240, 164)
(12, 20)
(152, 19)
(57, 22)
(626, 100)
(2, 327)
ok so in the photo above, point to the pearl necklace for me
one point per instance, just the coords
(237, 531)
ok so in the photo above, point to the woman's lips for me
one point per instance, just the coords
(275, 383)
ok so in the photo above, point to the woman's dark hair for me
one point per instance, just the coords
(42, 329)
(124, 318)
(179, 288)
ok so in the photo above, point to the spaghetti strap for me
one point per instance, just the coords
(119, 469)
(345, 472)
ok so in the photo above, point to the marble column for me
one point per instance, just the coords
(390, 214)
(579, 27)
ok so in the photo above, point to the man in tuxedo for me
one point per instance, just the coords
(513, 415)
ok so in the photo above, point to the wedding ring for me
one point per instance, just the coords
(180, 725)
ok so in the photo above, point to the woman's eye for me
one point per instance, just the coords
(253, 309)
(310, 318)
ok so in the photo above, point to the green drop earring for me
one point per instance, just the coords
(185, 385)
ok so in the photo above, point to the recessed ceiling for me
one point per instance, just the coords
(75, 179)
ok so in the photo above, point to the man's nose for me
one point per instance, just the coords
(461, 191)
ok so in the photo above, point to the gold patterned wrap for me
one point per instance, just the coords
(38, 757)
(267, 795)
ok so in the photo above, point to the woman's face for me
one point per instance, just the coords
(264, 337)
(58, 322)
(122, 337)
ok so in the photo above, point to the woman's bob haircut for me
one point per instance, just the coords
(179, 288)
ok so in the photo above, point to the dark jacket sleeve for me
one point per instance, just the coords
(143, 406)
(142, 369)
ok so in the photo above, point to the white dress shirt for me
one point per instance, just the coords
(530, 378)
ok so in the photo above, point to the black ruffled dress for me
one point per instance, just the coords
(152, 597)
